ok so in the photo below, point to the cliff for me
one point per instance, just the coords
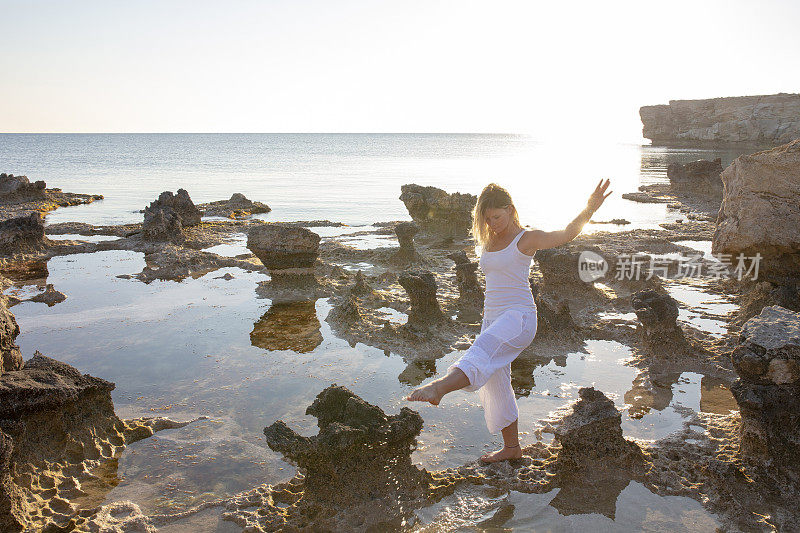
(773, 118)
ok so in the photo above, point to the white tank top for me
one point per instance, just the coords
(506, 272)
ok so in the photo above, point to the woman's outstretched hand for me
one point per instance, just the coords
(597, 198)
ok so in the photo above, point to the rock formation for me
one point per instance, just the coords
(361, 287)
(23, 234)
(286, 251)
(760, 212)
(165, 217)
(553, 315)
(357, 473)
(773, 118)
(470, 292)
(10, 356)
(238, 206)
(767, 360)
(405, 232)
(50, 296)
(421, 289)
(699, 176)
(436, 211)
(19, 188)
(56, 425)
(658, 315)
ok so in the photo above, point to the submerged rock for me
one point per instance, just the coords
(658, 317)
(238, 206)
(760, 212)
(421, 289)
(767, 360)
(50, 296)
(699, 176)
(357, 473)
(286, 251)
(23, 234)
(436, 211)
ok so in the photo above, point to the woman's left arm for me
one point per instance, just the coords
(537, 240)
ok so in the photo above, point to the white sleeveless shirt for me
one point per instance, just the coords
(506, 272)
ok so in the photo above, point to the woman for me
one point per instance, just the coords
(509, 311)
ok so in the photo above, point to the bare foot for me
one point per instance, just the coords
(503, 454)
(426, 393)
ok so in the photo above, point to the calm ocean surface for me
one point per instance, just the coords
(351, 178)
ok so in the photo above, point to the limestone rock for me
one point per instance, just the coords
(22, 234)
(773, 118)
(284, 249)
(767, 360)
(760, 211)
(436, 211)
(699, 176)
(238, 206)
(470, 291)
(361, 287)
(165, 217)
(421, 289)
(405, 232)
(658, 315)
(19, 187)
(10, 356)
(50, 296)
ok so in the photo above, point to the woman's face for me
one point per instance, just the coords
(497, 218)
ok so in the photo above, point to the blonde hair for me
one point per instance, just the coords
(492, 196)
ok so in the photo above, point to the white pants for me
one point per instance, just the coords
(487, 363)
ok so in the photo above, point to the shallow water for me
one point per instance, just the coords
(211, 347)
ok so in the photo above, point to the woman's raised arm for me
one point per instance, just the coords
(537, 239)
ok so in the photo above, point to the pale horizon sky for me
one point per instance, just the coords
(543, 69)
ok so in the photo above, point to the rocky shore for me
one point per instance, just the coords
(772, 118)
(57, 426)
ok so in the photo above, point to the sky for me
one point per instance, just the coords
(569, 69)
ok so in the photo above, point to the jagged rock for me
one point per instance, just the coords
(767, 361)
(12, 507)
(165, 217)
(405, 232)
(421, 289)
(238, 206)
(346, 310)
(10, 356)
(658, 315)
(361, 287)
(50, 296)
(19, 187)
(22, 234)
(773, 118)
(553, 316)
(285, 250)
(760, 212)
(470, 291)
(592, 431)
(699, 176)
(436, 211)
(360, 452)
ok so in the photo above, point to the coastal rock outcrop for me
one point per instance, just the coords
(470, 292)
(165, 217)
(10, 356)
(405, 232)
(23, 234)
(238, 206)
(760, 212)
(421, 289)
(19, 187)
(357, 473)
(699, 176)
(767, 361)
(773, 118)
(286, 251)
(438, 212)
(658, 315)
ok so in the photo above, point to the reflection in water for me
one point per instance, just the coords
(716, 397)
(417, 372)
(26, 272)
(288, 326)
(650, 391)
